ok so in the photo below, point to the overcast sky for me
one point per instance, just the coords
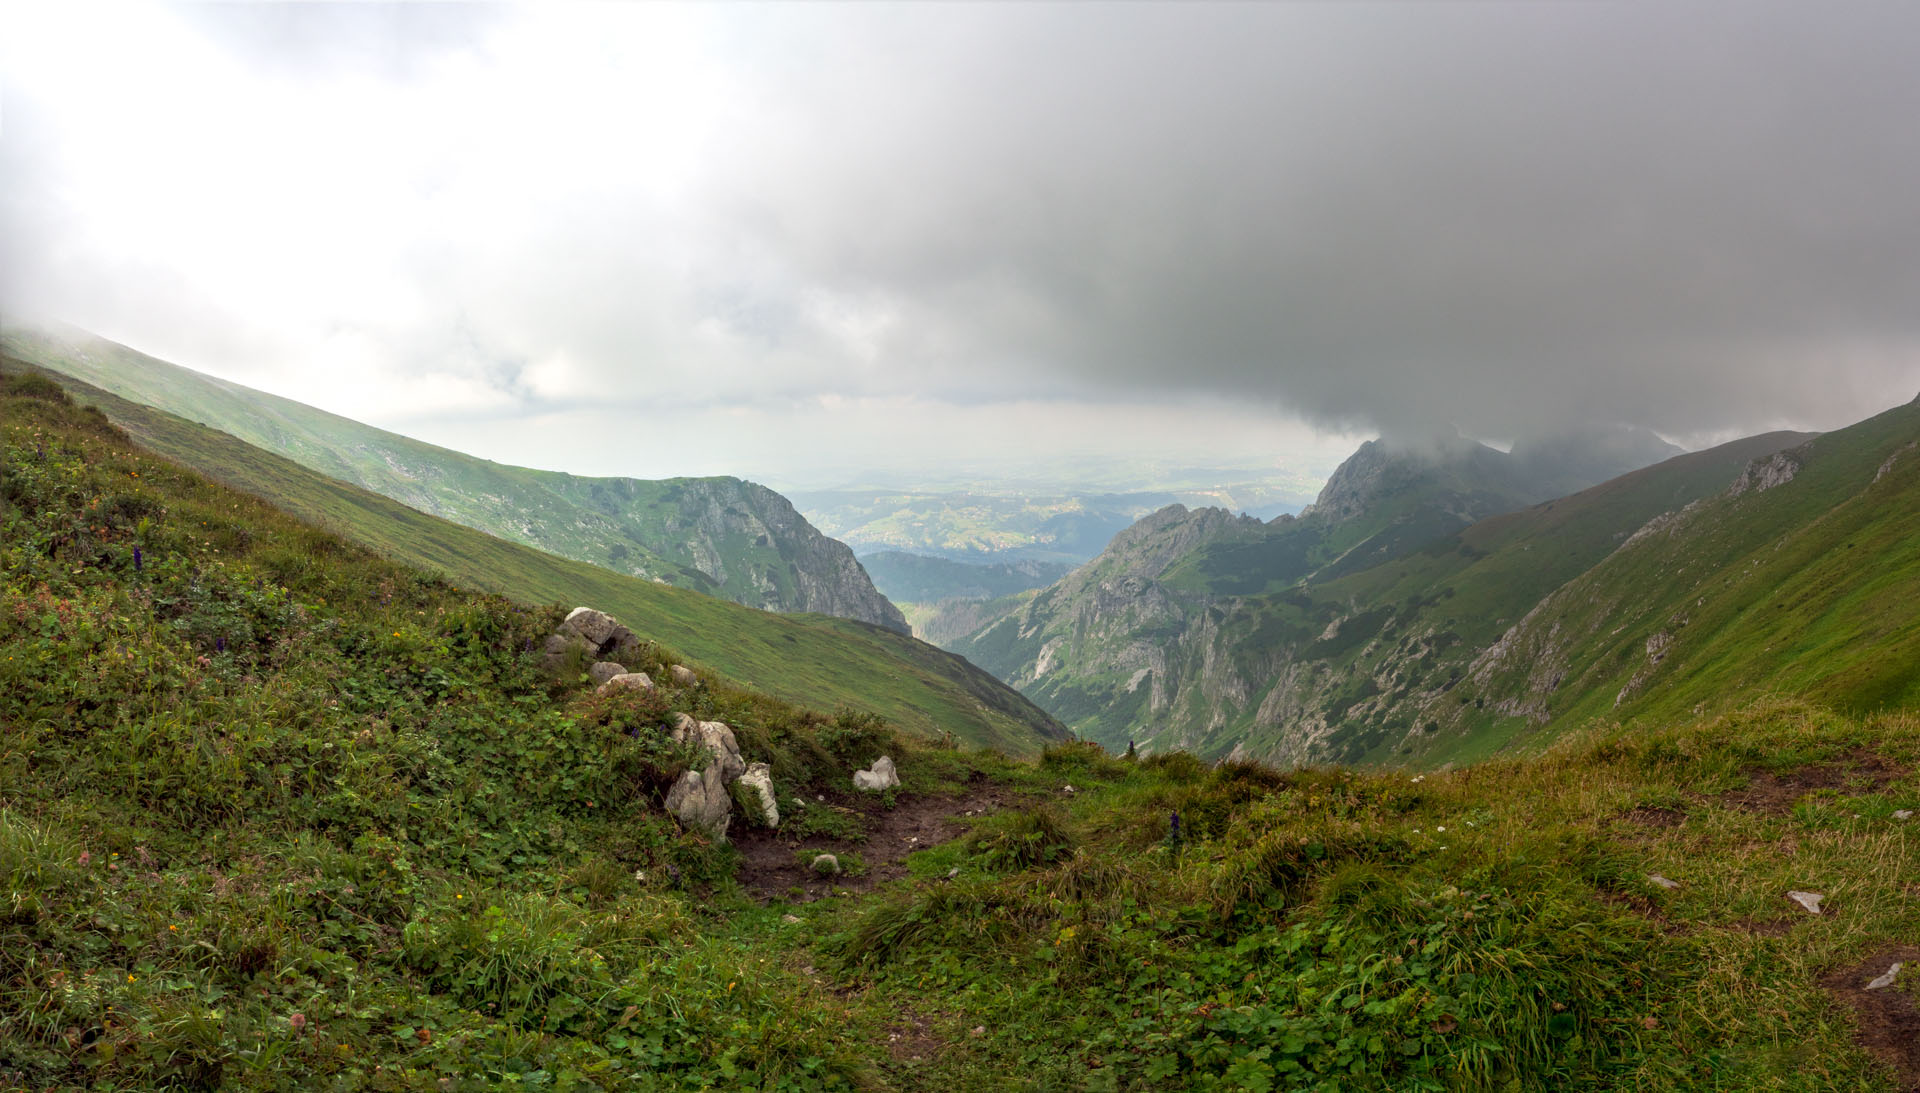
(796, 241)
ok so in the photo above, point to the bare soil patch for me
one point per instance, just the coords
(1858, 771)
(1889, 1021)
(776, 865)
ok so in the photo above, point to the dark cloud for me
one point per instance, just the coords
(1683, 216)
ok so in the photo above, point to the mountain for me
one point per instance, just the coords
(815, 660)
(281, 813)
(997, 525)
(722, 536)
(1323, 637)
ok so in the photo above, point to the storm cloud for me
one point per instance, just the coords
(1513, 218)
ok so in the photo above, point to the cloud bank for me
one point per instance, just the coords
(1361, 217)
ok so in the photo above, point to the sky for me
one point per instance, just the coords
(819, 243)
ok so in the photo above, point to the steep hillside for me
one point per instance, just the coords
(1802, 577)
(1225, 636)
(722, 536)
(277, 813)
(814, 660)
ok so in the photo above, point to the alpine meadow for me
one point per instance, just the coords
(839, 548)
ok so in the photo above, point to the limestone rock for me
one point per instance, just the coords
(1662, 881)
(718, 740)
(1884, 979)
(1903, 814)
(558, 649)
(759, 783)
(639, 681)
(826, 865)
(599, 630)
(881, 777)
(699, 799)
(603, 670)
(683, 676)
(1808, 901)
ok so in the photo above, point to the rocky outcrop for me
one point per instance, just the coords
(1761, 475)
(701, 799)
(752, 543)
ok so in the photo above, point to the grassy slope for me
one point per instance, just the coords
(628, 524)
(277, 813)
(1810, 588)
(811, 659)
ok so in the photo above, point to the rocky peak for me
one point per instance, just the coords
(1157, 539)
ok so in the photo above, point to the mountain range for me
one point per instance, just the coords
(1432, 606)
(723, 536)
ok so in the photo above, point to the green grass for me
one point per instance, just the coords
(813, 660)
(279, 813)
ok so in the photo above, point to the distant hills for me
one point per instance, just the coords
(1006, 525)
(816, 660)
(722, 536)
(1423, 611)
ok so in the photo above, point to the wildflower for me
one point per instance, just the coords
(171, 926)
(298, 1021)
(136, 559)
(85, 855)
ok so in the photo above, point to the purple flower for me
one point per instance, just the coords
(136, 559)
(220, 644)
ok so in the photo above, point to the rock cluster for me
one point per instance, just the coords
(594, 635)
(702, 798)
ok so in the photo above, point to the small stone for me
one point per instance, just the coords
(683, 676)
(790, 920)
(638, 681)
(954, 872)
(826, 865)
(1903, 814)
(603, 670)
(979, 1030)
(1068, 789)
(1662, 881)
(1808, 901)
(1884, 979)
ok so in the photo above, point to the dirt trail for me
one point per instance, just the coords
(1889, 1022)
(776, 865)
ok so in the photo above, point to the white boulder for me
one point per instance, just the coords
(881, 776)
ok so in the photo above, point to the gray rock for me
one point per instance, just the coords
(638, 681)
(1903, 814)
(790, 920)
(1884, 979)
(603, 670)
(699, 799)
(559, 649)
(826, 865)
(1662, 881)
(683, 676)
(881, 777)
(719, 741)
(1808, 901)
(599, 630)
(759, 782)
